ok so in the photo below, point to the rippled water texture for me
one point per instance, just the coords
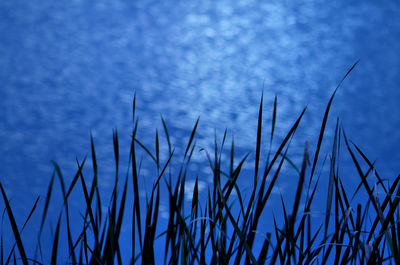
(71, 67)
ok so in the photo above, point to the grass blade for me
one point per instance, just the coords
(146, 150)
(166, 134)
(192, 136)
(321, 134)
(258, 144)
(14, 227)
(55, 243)
(46, 204)
(157, 151)
(331, 181)
(116, 150)
(94, 161)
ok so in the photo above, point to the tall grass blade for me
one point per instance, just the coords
(371, 165)
(331, 180)
(74, 180)
(278, 250)
(146, 150)
(14, 227)
(264, 250)
(387, 219)
(363, 179)
(267, 170)
(30, 214)
(94, 188)
(157, 151)
(321, 134)
(166, 134)
(181, 221)
(94, 160)
(121, 210)
(46, 204)
(274, 117)
(89, 211)
(64, 193)
(20, 232)
(384, 204)
(55, 243)
(1, 250)
(263, 200)
(272, 128)
(192, 136)
(116, 150)
(297, 197)
(60, 177)
(136, 205)
(162, 171)
(258, 144)
(283, 144)
(134, 109)
(237, 230)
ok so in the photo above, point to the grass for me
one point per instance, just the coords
(220, 228)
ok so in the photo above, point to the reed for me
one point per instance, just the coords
(221, 228)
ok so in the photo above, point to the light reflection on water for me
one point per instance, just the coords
(68, 68)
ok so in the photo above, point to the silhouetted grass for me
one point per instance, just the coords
(221, 227)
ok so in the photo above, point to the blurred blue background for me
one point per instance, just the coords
(68, 68)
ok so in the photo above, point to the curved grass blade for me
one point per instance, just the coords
(46, 204)
(384, 204)
(363, 179)
(76, 177)
(371, 165)
(64, 193)
(291, 163)
(389, 216)
(146, 150)
(60, 177)
(321, 134)
(162, 171)
(30, 214)
(264, 249)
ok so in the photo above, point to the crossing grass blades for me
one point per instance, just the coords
(212, 232)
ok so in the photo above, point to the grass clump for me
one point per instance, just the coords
(217, 229)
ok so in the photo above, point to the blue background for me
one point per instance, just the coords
(68, 68)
